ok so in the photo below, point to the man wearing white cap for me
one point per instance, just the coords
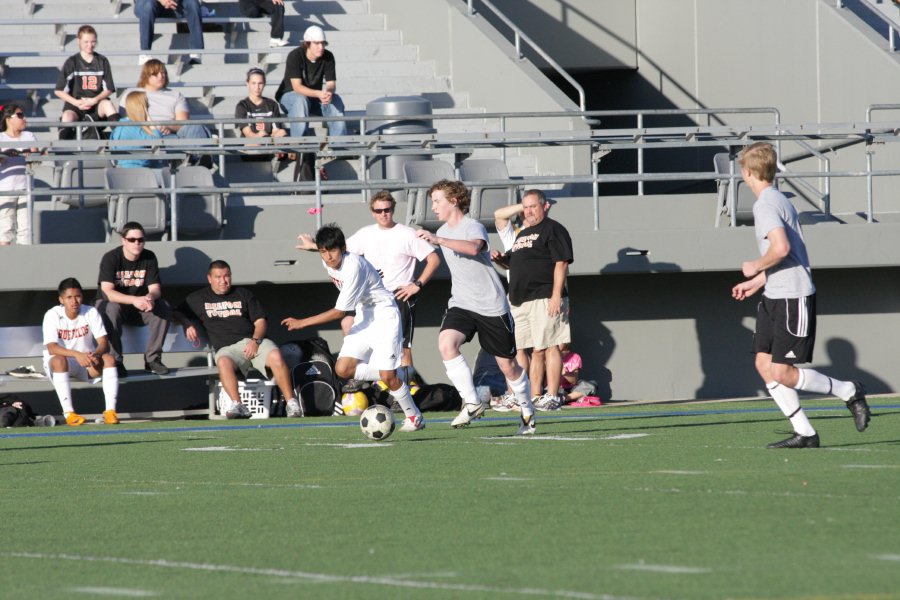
(309, 84)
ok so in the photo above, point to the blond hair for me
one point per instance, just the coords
(136, 108)
(761, 160)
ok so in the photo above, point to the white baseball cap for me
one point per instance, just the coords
(313, 33)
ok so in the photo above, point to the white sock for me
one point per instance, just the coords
(460, 376)
(404, 399)
(364, 372)
(63, 391)
(787, 400)
(813, 381)
(111, 387)
(521, 389)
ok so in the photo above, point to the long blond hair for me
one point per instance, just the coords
(136, 109)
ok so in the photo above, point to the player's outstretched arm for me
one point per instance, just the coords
(306, 243)
(328, 316)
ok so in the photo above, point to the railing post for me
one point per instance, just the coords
(869, 201)
(595, 185)
(640, 156)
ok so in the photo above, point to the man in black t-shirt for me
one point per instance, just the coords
(85, 85)
(130, 291)
(310, 84)
(538, 264)
(236, 325)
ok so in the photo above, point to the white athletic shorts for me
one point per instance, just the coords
(76, 371)
(375, 337)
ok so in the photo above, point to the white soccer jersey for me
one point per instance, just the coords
(393, 251)
(359, 283)
(78, 334)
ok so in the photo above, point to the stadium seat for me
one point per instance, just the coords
(90, 175)
(487, 198)
(425, 173)
(197, 214)
(744, 212)
(148, 209)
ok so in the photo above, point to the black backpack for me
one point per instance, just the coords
(314, 381)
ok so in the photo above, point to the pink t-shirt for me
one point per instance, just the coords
(571, 362)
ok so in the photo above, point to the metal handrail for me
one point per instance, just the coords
(519, 36)
(893, 24)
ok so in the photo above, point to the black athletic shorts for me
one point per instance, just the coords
(496, 335)
(786, 329)
(93, 114)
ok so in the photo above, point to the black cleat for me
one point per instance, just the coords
(123, 372)
(858, 406)
(797, 441)
(157, 367)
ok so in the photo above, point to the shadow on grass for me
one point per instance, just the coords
(93, 444)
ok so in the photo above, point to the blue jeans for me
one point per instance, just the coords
(298, 105)
(147, 11)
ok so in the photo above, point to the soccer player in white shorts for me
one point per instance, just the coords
(76, 345)
(373, 348)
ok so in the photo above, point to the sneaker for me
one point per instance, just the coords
(797, 441)
(527, 426)
(505, 403)
(277, 43)
(123, 372)
(110, 417)
(858, 406)
(466, 416)
(142, 58)
(413, 424)
(546, 403)
(74, 419)
(157, 367)
(26, 372)
(238, 411)
(195, 59)
(293, 409)
(45, 421)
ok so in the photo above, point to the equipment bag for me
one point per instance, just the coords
(314, 381)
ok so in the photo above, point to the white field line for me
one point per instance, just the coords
(224, 449)
(673, 472)
(302, 486)
(871, 466)
(669, 569)
(118, 592)
(355, 445)
(710, 492)
(558, 438)
(319, 577)
(891, 557)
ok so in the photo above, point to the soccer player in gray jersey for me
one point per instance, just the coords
(786, 315)
(477, 305)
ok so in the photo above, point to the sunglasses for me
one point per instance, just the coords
(135, 240)
(379, 211)
(18, 115)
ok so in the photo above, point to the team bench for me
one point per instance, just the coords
(26, 343)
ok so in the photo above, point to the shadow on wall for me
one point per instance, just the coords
(843, 366)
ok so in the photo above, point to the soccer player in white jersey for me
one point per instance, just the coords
(373, 347)
(786, 314)
(75, 345)
(477, 305)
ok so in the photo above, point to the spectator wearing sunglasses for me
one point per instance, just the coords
(395, 251)
(130, 292)
(15, 142)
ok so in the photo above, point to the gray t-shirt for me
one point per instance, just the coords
(792, 277)
(161, 105)
(475, 285)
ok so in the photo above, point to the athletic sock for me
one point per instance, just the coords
(460, 376)
(810, 380)
(63, 391)
(787, 400)
(111, 387)
(521, 389)
(364, 372)
(404, 399)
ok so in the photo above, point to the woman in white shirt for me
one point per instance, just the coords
(15, 223)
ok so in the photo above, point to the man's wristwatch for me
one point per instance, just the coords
(258, 341)
(418, 282)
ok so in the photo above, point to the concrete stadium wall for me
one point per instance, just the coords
(480, 62)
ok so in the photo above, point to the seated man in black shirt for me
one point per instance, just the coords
(236, 325)
(130, 291)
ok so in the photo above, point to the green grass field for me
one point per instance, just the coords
(645, 502)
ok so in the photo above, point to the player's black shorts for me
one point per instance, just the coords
(786, 329)
(495, 334)
(93, 114)
(407, 319)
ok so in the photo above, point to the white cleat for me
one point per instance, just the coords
(416, 423)
(467, 415)
(293, 409)
(527, 426)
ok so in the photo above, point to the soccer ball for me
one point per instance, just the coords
(377, 423)
(354, 403)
